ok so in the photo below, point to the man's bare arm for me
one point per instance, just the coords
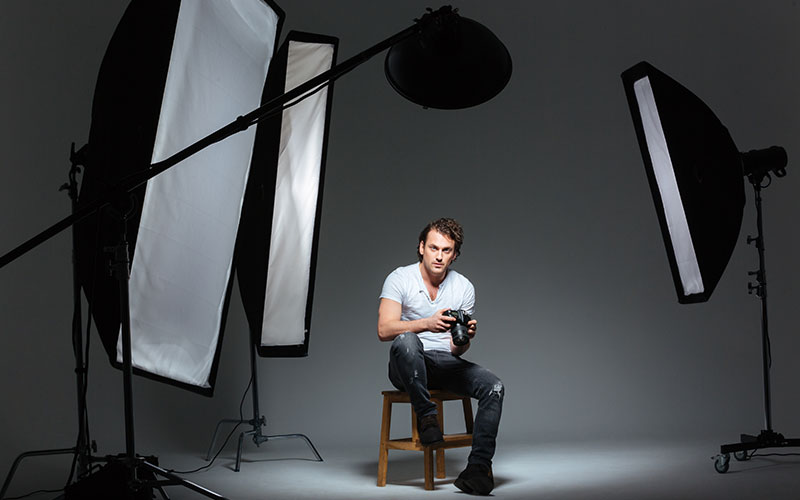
(390, 325)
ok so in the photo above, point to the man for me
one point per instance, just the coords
(411, 315)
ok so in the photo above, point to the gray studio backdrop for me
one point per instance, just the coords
(576, 305)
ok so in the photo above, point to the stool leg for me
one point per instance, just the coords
(414, 429)
(440, 472)
(428, 468)
(383, 453)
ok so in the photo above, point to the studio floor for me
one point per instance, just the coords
(602, 470)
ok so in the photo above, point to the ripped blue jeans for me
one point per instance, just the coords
(414, 370)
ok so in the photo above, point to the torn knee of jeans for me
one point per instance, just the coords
(498, 390)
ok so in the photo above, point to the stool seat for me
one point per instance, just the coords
(438, 397)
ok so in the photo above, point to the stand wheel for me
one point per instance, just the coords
(741, 455)
(722, 463)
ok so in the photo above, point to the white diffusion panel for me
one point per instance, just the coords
(682, 245)
(183, 257)
(296, 198)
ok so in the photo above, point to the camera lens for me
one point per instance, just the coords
(459, 333)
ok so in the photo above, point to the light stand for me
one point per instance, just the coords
(695, 173)
(768, 438)
(128, 474)
(137, 466)
(140, 473)
(257, 422)
(81, 450)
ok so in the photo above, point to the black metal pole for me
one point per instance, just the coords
(82, 447)
(762, 294)
(254, 374)
(121, 270)
(240, 124)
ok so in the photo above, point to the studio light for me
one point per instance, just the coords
(174, 72)
(279, 231)
(696, 175)
(453, 63)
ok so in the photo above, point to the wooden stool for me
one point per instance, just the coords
(412, 443)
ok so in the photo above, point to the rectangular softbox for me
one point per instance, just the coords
(278, 239)
(695, 174)
(174, 72)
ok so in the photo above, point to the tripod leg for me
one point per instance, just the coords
(162, 492)
(40, 453)
(239, 452)
(311, 445)
(298, 436)
(176, 480)
(216, 431)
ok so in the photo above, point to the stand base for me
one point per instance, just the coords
(37, 453)
(112, 481)
(767, 439)
(258, 438)
(128, 479)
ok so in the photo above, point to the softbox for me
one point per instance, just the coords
(277, 244)
(174, 71)
(695, 175)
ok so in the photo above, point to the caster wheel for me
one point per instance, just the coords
(722, 463)
(741, 455)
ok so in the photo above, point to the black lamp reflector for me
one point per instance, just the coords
(277, 248)
(695, 175)
(452, 62)
(174, 73)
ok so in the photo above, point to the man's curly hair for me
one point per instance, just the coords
(447, 227)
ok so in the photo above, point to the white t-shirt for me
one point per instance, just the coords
(405, 286)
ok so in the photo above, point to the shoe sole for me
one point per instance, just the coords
(434, 444)
(466, 487)
(463, 486)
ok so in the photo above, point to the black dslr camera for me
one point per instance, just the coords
(460, 326)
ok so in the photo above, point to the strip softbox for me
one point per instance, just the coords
(279, 233)
(695, 175)
(174, 72)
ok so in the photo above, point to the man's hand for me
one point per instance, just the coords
(440, 322)
(473, 328)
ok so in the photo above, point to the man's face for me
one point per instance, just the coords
(438, 252)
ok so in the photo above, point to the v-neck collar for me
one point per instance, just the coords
(424, 288)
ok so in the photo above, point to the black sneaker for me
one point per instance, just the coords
(429, 431)
(476, 479)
